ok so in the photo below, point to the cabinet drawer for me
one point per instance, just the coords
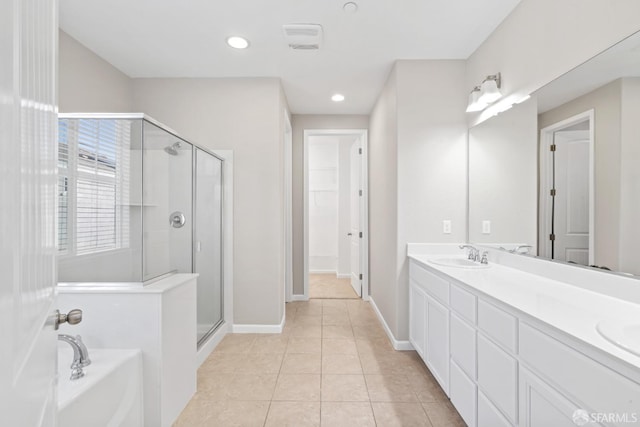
(498, 377)
(463, 345)
(599, 388)
(463, 394)
(489, 415)
(499, 325)
(463, 303)
(434, 285)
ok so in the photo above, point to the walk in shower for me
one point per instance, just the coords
(138, 203)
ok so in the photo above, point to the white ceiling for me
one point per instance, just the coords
(168, 38)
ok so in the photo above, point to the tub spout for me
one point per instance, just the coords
(80, 355)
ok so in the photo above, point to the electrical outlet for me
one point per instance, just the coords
(446, 226)
(486, 227)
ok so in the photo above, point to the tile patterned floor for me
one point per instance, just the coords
(329, 286)
(332, 366)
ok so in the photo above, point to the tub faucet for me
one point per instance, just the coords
(474, 254)
(80, 355)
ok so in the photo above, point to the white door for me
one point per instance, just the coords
(355, 210)
(28, 184)
(571, 217)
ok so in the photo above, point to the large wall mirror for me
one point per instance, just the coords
(561, 172)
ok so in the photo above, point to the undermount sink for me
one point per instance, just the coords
(458, 262)
(623, 334)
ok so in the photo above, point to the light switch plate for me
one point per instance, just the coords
(486, 227)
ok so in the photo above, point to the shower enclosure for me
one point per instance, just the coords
(138, 203)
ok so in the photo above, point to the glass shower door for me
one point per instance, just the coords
(166, 203)
(208, 241)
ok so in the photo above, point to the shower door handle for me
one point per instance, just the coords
(177, 219)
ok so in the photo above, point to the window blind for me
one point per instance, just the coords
(93, 162)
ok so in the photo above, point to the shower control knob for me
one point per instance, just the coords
(73, 318)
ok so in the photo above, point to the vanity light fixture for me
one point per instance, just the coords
(485, 94)
(474, 101)
(490, 89)
(237, 42)
(338, 97)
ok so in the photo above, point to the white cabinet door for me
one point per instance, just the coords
(489, 415)
(437, 347)
(417, 318)
(542, 406)
(463, 392)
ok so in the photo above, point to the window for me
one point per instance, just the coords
(93, 166)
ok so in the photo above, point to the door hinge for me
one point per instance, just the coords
(552, 237)
(361, 234)
(359, 150)
(360, 276)
(552, 147)
(360, 193)
(553, 192)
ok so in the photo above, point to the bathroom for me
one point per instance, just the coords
(418, 132)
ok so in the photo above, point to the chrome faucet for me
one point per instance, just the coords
(474, 254)
(80, 355)
(525, 247)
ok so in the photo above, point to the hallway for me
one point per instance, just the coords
(329, 286)
(332, 366)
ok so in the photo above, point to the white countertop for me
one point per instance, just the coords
(569, 308)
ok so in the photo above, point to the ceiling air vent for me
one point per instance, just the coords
(303, 36)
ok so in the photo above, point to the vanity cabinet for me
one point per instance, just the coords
(501, 367)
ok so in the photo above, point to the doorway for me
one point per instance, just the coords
(335, 214)
(567, 190)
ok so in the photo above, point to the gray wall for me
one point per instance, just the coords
(417, 176)
(88, 83)
(242, 115)
(383, 200)
(300, 122)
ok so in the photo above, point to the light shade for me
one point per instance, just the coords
(490, 89)
(238, 42)
(338, 97)
(474, 101)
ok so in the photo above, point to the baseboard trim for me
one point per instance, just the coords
(322, 272)
(299, 297)
(211, 343)
(343, 276)
(259, 329)
(398, 345)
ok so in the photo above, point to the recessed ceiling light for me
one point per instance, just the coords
(350, 7)
(337, 97)
(238, 42)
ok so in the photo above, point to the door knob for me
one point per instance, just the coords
(177, 219)
(73, 318)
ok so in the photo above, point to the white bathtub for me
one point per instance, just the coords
(109, 394)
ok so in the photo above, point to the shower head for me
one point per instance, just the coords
(173, 149)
